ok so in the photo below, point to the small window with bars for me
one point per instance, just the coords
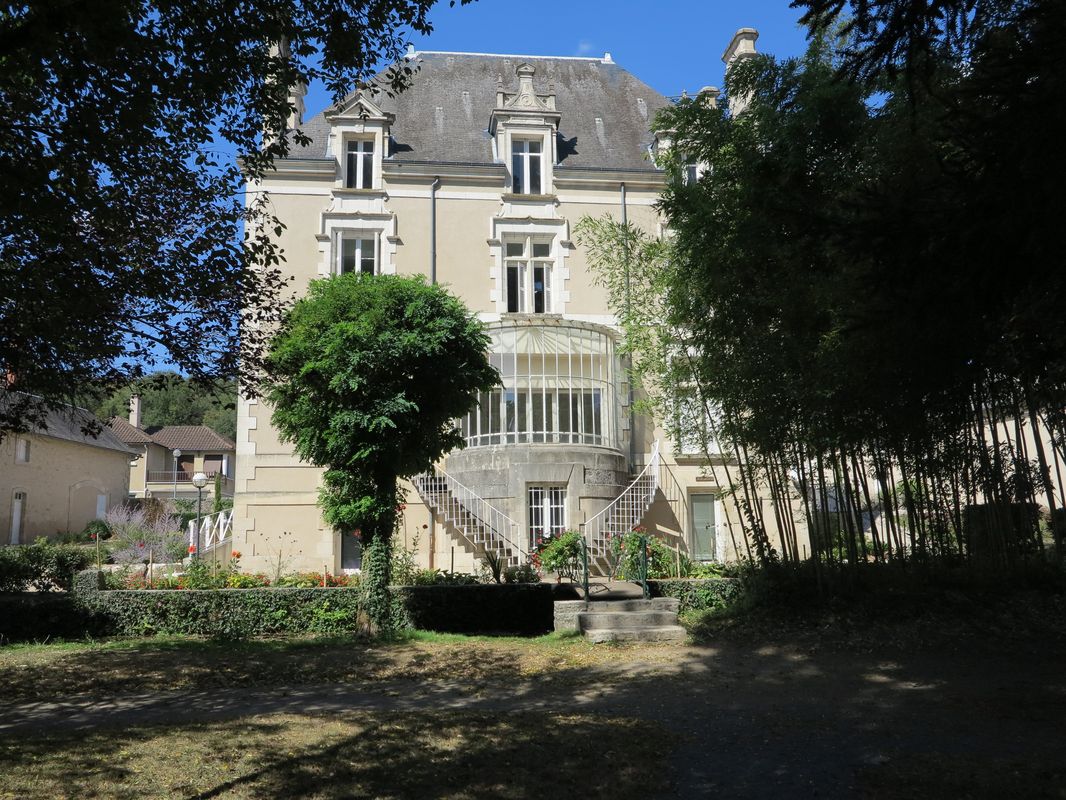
(547, 513)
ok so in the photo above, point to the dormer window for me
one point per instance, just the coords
(528, 267)
(358, 253)
(359, 164)
(526, 166)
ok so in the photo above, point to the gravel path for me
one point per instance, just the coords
(750, 722)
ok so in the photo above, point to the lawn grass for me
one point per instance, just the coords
(357, 754)
(103, 669)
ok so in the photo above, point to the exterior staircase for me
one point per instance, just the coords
(621, 515)
(485, 527)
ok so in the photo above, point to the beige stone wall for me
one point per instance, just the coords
(276, 519)
(61, 482)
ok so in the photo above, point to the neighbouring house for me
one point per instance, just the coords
(475, 176)
(58, 478)
(171, 455)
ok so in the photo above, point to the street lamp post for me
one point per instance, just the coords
(177, 455)
(199, 480)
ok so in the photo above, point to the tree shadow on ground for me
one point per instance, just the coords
(351, 754)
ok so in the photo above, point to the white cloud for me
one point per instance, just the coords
(584, 47)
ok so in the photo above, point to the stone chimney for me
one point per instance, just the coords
(742, 46)
(709, 95)
(135, 411)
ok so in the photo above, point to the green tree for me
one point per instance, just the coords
(122, 202)
(834, 295)
(169, 399)
(369, 374)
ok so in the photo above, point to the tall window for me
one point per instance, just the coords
(359, 164)
(22, 451)
(695, 424)
(547, 512)
(358, 253)
(528, 270)
(526, 163)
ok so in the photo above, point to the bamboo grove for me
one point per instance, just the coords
(860, 299)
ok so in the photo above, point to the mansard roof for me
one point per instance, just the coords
(444, 115)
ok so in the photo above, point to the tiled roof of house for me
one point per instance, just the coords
(606, 120)
(127, 432)
(190, 437)
(70, 424)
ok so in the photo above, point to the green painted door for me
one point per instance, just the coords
(703, 527)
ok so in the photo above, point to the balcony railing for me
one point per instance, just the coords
(170, 476)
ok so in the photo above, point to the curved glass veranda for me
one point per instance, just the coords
(559, 386)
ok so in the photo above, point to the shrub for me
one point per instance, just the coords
(437, 577)
(226, 614)
(97, 529)
(312, 580)
(562, 555)
(661, 559)
(140, 536)
(524, 573)
(43, 566)
(36, 617)
(698, 595)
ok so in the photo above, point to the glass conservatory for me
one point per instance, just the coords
(559, 386)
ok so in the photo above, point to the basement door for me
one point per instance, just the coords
(704, 527)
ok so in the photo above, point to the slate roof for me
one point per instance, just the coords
(437, 122)
(189, 437)
(67, 424)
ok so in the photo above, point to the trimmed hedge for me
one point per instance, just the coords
(697, 594)
(39, 616)
(520, 609)
(517, 609)
(222, 613)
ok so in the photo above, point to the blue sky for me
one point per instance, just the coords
(670, 44)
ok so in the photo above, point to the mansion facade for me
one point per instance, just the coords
(475, 177)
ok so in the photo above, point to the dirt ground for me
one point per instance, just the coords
(757, 714)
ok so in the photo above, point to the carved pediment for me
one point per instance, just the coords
(361, 107)
(526, 98)
(525, 101)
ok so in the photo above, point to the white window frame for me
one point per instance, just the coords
(545, 511)
(359, 155)
(520, 174)
(525, 267)
(359, 237)
(22, 451)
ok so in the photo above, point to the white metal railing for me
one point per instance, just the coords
(473, 516)
(624, 512)
(209, 533)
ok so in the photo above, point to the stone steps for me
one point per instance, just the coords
(622, 620)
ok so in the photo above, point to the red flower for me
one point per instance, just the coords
(235, 554)
(192, 548)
